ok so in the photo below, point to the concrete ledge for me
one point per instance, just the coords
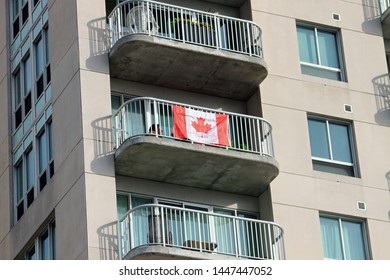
(159, 252)
(195, 165)
(173, 64)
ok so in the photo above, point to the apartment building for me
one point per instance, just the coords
(194, 129)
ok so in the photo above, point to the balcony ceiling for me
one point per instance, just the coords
(231, 3)
(195, 165)
(173, 64)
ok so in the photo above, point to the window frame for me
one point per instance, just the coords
(36, 245)
(340, 219)
(337, 32)
(351, 140)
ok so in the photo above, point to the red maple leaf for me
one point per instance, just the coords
(201, 126)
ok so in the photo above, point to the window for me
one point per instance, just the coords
(343, 239)
(332, 146)
(22, 91)
(24, 179)
(44, 246)
(42, 63)
(319, 51)
(45, 155)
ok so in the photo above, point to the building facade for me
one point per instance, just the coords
(194, 129)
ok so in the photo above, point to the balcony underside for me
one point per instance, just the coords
(385, 19)
(195, 68)
(158, 252)
(195, 165)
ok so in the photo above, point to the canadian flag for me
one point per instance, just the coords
(199, 126)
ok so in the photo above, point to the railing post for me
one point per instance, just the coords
(236, 237)
(217, 32)
(119, 236)
(182, 24)
(249, 39)
(199, 231)
(162, 225)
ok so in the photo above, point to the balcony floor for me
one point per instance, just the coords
(173, 64)
(195, 165)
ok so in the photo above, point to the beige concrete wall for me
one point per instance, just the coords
(300, 194)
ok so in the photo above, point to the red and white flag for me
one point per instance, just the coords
(199, 126)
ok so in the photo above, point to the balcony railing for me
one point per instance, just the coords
(175, 227)
(185, 25)
(141, 117)
(383, 5)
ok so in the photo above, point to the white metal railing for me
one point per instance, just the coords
(185, 25)
(383, 5)
(142, 116)
(156, 224)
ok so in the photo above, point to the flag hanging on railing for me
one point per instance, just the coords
(199, 126)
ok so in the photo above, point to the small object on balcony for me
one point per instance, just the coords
(195, 244)
(141, 20)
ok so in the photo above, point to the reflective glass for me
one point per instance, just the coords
(353, 241)
(340, 140)
(307, 45)
(38, 58)
(19, 181)
(122, 203)
(45, 246)
(328, 49)
(42, 152)
(331, 238)
(18, 95)
(30, 169)
(27, 75)
(318, 139)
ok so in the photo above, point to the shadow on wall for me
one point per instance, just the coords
(103, 144)
(108, 241)
(98, 45)
(371, 16)
(382, 98)
(388, 179)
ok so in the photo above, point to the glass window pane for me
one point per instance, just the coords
(18, 95)
(322, 73)
(42, 152)
(307, 45)
(53, 242)
(115, 103)
(331, 239)
(38, 58)
(15, 7)
(27, 75)
(341, 148)
(353, 241)
(327, 44)
(318, 139)
(31, 255)
(19, 181)
(30, 169)
(47, 47)
(49, 128)
(45, 246)
(122, 203)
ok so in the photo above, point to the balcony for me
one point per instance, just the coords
(244, 165)
(165, 232)
(385, 17)
(176, 47)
